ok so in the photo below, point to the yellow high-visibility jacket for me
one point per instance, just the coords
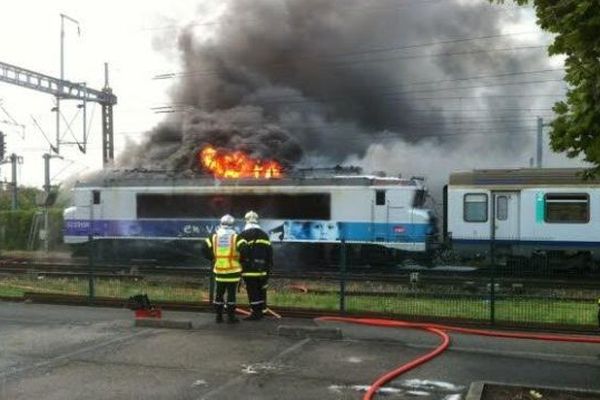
(224, 248)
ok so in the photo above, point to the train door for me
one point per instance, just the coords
(507, 215)
(380, 216)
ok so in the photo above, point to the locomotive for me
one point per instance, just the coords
(154, 215)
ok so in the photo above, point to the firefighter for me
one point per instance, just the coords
(222, 248)
(256, 256)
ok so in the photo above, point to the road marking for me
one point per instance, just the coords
(50, 361)
(241, 378)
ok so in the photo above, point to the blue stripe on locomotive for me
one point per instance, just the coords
(350, 231)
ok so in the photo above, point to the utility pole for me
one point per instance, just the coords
(47, 190)
(108, 153)
(62, 72)
(2, 146)
(13, 159)
(540, 141)
(15, 190)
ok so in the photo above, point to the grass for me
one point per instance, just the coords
(535, 308)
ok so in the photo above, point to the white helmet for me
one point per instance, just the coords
(227, 220)
(251, 217)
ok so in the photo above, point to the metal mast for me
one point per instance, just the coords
(64, 89)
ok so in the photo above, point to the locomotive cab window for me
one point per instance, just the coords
(380, 197)
(567, 208)
(96, 196)
(475, 207)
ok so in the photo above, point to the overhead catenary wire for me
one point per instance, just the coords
(295, 98)
(282, 100)
(392, 135)
(470, 78)
(392, 99)
(354, 63)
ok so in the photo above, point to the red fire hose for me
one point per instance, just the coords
(440, 330)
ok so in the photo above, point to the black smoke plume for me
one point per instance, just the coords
(321, 81)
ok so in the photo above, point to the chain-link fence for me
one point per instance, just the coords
(528, 293)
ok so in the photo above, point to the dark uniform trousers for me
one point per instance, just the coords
(231, 289)
(256, 256)
(257, 293)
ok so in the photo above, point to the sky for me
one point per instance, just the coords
(121, 33)
(138, 40)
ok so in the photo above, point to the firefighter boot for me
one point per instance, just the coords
(256, 314)
(231, 318)
(219, 314)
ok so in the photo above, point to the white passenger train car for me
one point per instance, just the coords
(524, 211)
(145, 211)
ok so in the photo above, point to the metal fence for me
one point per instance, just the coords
(524, 293)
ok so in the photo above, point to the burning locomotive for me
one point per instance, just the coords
(145, 214)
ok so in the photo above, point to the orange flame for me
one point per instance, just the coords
(237, 164)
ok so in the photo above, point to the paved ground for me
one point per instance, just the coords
(60, 352)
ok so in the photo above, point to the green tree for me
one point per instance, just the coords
(25, 198)
(576, 24)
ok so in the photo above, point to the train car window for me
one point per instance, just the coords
(567, 208)
(274, 206)
(502, 208)
(96, 196)
(380, 197)
(475, 207)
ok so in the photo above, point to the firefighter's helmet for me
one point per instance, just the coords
(227, 220)
(251, 217)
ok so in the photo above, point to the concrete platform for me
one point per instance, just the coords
(66, 352)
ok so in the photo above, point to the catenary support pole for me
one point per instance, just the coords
(91, 255)
(540, 142)
(46, 157)
(15, 189)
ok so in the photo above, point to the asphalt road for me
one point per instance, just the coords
(66, 352)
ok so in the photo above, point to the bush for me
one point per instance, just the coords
(15, 227)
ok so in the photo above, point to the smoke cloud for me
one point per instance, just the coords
(384, 84)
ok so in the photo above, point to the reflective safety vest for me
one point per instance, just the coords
(227, 266)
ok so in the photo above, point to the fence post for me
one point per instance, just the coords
(343, 277)
(211, 287)
(91, 288)
(92, 250)
(492, 293)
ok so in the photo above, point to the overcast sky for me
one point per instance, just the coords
(137, 38)
(122, 33)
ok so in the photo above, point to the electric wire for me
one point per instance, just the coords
(354, 63)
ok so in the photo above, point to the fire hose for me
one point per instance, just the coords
(441, 331)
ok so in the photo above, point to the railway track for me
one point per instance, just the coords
(80, 268)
